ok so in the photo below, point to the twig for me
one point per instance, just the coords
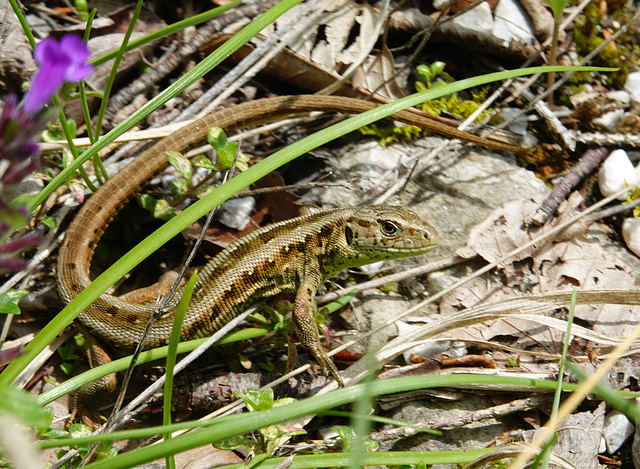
(587, 163)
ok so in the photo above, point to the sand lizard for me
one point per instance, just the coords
(295, 255)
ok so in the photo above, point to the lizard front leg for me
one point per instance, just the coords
(306, 327)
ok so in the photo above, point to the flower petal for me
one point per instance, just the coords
(78, 73)
(59, 62)
(46, 82)
(73, 46)
(44, 48)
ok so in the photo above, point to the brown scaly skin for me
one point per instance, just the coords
(292, 256)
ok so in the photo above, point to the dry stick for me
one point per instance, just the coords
(599, 138)
(587, 163)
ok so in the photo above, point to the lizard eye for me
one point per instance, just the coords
(389, 228)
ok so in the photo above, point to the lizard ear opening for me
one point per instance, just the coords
(348, 234)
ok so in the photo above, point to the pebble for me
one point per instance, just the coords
(512, 23)
(631, 234)
(235, 213)
(619, 95)
(617, 428)
(610, 120)
(632, 86)
(519, 126)
(616, 172)
(427, 349)
(479, 20)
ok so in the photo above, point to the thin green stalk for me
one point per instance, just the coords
(315, 407)
(23, 22)
(116, 64)
(249, 422)
(558, 393)
(76, 382)
(66, 130)
(362, 407)
(320, 403)
(174, 340)
(100, 171)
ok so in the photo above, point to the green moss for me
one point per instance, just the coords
(387, 135)
(589, 34)
(451, 104)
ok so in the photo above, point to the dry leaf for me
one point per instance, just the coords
(579, 262)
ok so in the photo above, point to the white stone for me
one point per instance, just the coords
(478, 20)
(610, 120)
(518, 126)
(234, 213)
(512, 23)
(631, 234)
(617, 428)
(632, 86)
(619, 95)
(372, 269)
(603, 446)
(616, 172)
(426, 349)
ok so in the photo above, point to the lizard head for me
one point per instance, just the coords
(377, 232)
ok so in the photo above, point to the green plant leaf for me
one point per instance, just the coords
(202, 161)
(179, 188)
(22, 406)
(9, 301)
(180, 163)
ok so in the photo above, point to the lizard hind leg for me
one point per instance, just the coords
(90, 397)
(306, 328)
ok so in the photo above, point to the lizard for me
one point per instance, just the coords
(295, 255)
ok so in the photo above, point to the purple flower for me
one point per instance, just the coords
(58, 62)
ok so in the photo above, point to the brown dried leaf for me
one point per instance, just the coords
(377, 73)
(579, 262)
(319, 57)
(503, 231)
